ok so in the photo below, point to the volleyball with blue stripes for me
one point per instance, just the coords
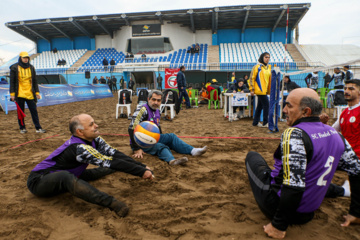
(146, 134)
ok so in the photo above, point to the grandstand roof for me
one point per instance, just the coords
(241, 16)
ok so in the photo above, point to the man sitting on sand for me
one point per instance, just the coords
(65, 169)
(169, 141)
(305, 162)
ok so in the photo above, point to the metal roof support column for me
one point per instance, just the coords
(307, 6)
(78, 26)
(191, 12)
(37, 34)
(49, 22)
(216, 10)
(247, 8)
(160, 17)
(95, 18)
(21, 32)
(213, 27)
(123, 16)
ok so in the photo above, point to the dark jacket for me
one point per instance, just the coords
(289, 86)
(112, 62)
(181, 80)
(105, 62)
(327, 79)
(14, 81)
(239, 89)
(131, 84)
(109, 81)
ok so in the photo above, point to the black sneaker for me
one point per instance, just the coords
(120, 208)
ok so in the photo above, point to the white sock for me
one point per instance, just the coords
(198, 151)
(346, 187)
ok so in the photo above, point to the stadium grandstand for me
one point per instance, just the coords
(230, 39)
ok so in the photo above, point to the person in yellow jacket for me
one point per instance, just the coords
(260, 82)
(24, 88)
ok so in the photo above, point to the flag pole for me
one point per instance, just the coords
(286, 42)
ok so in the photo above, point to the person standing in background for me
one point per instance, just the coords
(114, 84)
(312, 80)
(348, 73)
(24, 88)
(95, 80)
(260, 82)
(159, 82)
(112, 65)
(338, 77)
(181, 84)
(105, 63)
(131, 84)
(122, 82)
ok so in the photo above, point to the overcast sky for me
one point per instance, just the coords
(327, 21)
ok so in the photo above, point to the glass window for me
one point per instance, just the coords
(149, 45)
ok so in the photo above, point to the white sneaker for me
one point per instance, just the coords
(198, 151)
(235, 118)
(23, 130)
(263, 126)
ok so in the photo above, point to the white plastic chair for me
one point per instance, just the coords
(121, 106)
(338, 110)
(172, 109)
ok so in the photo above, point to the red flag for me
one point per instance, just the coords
(21, 114)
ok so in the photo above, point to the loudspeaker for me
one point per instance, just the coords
(87, 74)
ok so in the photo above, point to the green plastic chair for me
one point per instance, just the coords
(216, 102)
(194, 96)
(323, 95)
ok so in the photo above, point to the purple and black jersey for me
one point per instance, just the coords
(143, 113)
(305, 163)
(76, 154)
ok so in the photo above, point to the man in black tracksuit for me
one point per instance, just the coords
(65, 169)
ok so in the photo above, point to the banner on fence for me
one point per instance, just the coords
(52, 94)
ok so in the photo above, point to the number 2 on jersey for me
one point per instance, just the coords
(328, 166)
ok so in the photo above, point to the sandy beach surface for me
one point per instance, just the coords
(209, 198)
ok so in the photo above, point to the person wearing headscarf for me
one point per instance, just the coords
(24, 88)
(260, 82)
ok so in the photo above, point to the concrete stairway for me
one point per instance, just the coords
(295, 54)
(213, 54)
(81, 61)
